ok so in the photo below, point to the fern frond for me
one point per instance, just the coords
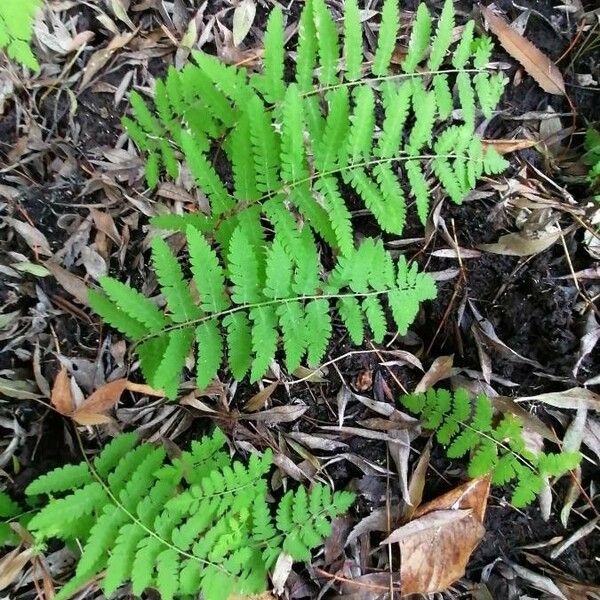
(214, 537)
(293, 166)
(496, 449)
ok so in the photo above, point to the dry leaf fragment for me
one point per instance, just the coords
(534, 61)
(12, 564)
(572, 398)
(508, 146)
(243, 17)
(517, 244)
(91, 411)
(436, 546)
(62, 398)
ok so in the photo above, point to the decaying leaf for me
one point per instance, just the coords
(534, 61)
(517, 244)
(12, 564)
(572, 398)
(91, 411)
(62, 398)
(436, 545)
(243, 17)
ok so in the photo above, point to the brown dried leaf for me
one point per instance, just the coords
(441, 368)
(12, 564)
(90, 412)
(436, 546)
(508, 146)
(62, 398)
(535, 62)
(259, 399)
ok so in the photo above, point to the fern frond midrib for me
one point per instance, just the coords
(248, 307)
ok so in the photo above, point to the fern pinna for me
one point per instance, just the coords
(16, 30)
(304, 144)
(496, 448)
(193, 524)
(264, 291)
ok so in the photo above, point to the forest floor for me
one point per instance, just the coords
(73, 206)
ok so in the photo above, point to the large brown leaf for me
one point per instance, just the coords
(437, 544)
(534, 61)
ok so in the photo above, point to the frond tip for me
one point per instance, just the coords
(496, 448)
(196, 524)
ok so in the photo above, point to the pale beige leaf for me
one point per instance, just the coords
(533, 60)
(259, 399)
(243, 17)
(572, 398)
(516, 244)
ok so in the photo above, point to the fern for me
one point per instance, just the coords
(592, 158)
(297, 134)
(496, 448)
(16, 30)
(261, 293)
(198, 523)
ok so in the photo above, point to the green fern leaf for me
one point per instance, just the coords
(462, 53)
(328, 41)
(291, 320)
(172, 362)
(352, 317)
(317, 319)
(60, 480)
(306, 54)
(393, 196)
(264, 340)
(443, 36)
(205, 175)
(353, 44)
(210, 353)
(239, 343)
(278, 272)
(207, 272)
(271, 82)
(172, 283)
(116, 317)
(243, 270)
(443, 96)
(341, 220)
(466, 96)
(241, 155)
(336, 130)
(293, 168)
(131, 302)
(397, 105)
(420, 39)
(265, 144)
(362, 123)
(425, 108)
(375, 317)
(419, 187)
(386, 41)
